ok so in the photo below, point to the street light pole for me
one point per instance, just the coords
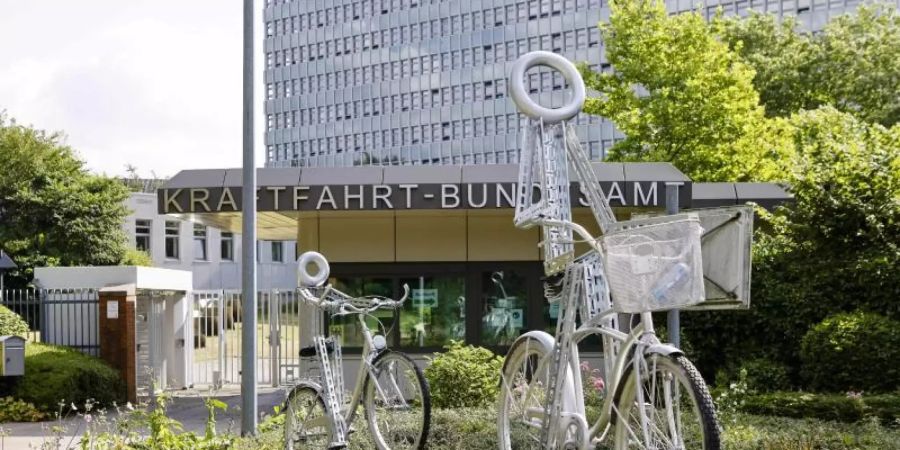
(248, 229)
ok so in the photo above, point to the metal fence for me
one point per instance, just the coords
(67, 317)
(217, 337)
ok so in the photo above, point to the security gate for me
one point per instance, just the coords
(217, 337)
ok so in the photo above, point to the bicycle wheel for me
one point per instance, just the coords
(671, 409)
(523, 392)
(306, 422)
(397, 402)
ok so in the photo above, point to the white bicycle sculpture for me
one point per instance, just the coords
(655, 397)
(389, 385)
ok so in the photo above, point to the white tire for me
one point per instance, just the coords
(309, 280)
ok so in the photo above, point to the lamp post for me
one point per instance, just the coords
(248, 229)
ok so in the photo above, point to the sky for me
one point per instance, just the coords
(151, 83)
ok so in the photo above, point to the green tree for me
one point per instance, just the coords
(52, 211)
(835, 249)
(853, 64)
(680, 95)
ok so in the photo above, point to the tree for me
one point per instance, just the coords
(853, 64)
(835, 249)
(680, 95)
(52, 211)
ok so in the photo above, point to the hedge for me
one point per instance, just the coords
(838, 407)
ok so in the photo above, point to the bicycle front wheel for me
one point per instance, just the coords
(398, 403)
(306, 424)
(666, 407)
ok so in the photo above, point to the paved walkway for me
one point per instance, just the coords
(187, 407)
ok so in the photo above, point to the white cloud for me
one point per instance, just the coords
(156, 84)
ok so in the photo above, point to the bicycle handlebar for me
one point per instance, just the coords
(339, 303)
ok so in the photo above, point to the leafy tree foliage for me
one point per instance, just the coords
(680, 95)
(52, 211)
(853, 64)
(835, 249)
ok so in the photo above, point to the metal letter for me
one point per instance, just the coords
(171, 200)
(446, 195)
(201, 200)
(275, 190)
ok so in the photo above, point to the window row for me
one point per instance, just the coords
(347, 12)
(413, 101)
(576, 39)
(402, 156)
(517, 12)
(200, 242)
(403, 136)
(294, 152)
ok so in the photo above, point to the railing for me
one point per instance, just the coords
(67, 317)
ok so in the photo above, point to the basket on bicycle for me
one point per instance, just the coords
(655, 264)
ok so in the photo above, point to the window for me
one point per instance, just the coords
(200, 242)
(504, 298)
(142, 235)
(227, 246)
(435, 311)
(277, 251)
(172, 235)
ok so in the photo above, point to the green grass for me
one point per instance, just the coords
(475, 429)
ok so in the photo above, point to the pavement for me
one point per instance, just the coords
(186, 407)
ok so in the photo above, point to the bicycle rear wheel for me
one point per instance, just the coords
(306, 424)
(669, 408)
(397, 402)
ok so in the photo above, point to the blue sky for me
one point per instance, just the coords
(152, 83)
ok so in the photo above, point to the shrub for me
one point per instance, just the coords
(12, 410)
(464, 376)
(55, 374)
(857, 351)
(839, 407)
(11, 323)
(762, 375)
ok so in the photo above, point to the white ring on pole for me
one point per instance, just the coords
(531, 108)
(307, 279)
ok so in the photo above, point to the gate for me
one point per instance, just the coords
(217, 331)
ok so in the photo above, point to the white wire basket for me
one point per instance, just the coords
(655, 264)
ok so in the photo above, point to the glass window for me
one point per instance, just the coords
(200, 242)
(348, 327)
(503, 300)
(142, 235)
(277, 251)
(434, 314)
(227, 246)
(172, 232)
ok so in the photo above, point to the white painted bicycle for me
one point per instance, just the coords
(390, 387)
(655, 398)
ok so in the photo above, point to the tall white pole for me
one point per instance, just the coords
(248, 260)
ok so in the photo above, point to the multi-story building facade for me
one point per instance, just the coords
(359, 82)
(213, 255)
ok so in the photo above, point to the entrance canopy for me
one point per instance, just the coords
(284, 195)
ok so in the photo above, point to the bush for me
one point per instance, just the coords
(762, 375)
(464, 376)
(12, 410)
(11, 323)
(57, 374)
(857, 351)
(839, 407)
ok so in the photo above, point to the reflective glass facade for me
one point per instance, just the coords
(386, 82)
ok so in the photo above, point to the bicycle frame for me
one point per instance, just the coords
(368, 355)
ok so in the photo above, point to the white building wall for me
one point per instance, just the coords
(214, 272)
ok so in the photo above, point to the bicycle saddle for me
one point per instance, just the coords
(306, 352)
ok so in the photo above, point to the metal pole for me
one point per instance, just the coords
(248, 260)
(673, 319)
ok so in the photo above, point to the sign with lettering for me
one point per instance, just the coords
(424, 298)
(399, 197)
